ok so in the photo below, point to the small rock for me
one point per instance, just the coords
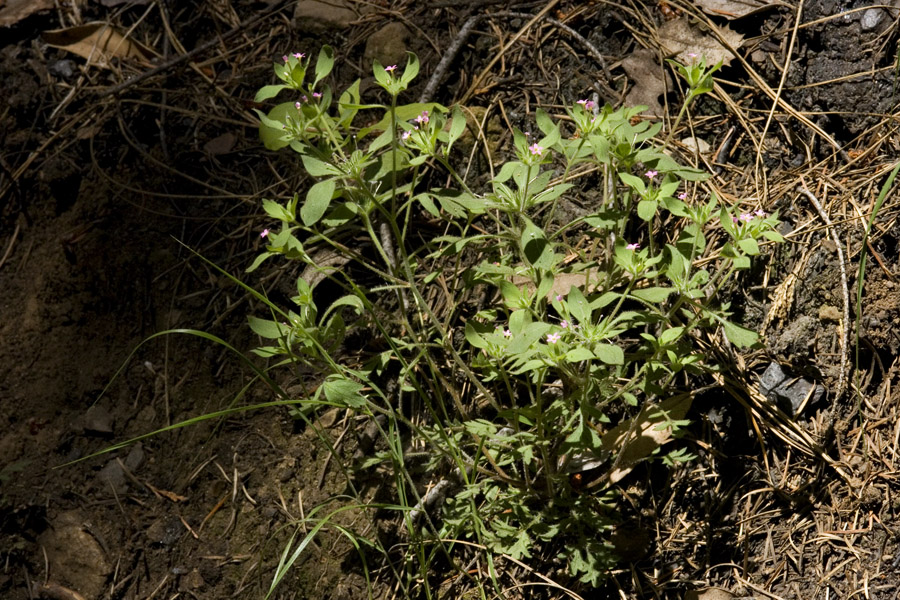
(829, 313)
(788, 393)
(165, 531)
(387, 45)
(113, 476)
(871, 18)
(317, 14)
(75, 556)
(97, 421)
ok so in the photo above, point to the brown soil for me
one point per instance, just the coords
(102, 195)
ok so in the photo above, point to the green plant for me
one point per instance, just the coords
(556, 345)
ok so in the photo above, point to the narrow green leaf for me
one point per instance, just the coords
(265, 328)
(324, 63)
(344, 392)
(411, 70)
(654, 295)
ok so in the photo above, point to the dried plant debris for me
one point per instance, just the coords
(735, 9)
(99, 43)
(685, 42)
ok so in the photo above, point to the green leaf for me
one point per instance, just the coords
(317, 200)
(610, 354)
(536, 247)
(654, 295)
(578, 306)
(324, 63)
(268, 91)
(318, 168)
(276, 211)
(265, 328)
(646, 209)
(739, 336)
(457, 125)
(578, 355)
(259, 260)
(473, 337)
(632, 182)
(749, 246)
(344, 392)
(670, 335)
(271, 128)
(411, 70)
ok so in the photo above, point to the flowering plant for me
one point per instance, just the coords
(579, 334)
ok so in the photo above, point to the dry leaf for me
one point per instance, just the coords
(222, 144)
(644, 69)
(735, 9)
(562, 282)
(16, 10)
(680, 38)
(97, 42)
(634, 446)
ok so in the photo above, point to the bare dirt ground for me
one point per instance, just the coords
(107, 180)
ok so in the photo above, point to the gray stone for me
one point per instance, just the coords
(871, 18)
(788, 392)
(324, 14)
(388, 45)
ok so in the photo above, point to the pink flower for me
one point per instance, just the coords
(423, 118)
(284, 58)
(317, 95)
(632, 246)
(552, 338)
(760, 213)
(298, 55)
(691, 55)
(650, 174)
(559, 297)
(405, 135)
(682, 196)
(587, 104)
(297, 105)
(390, 68)
(507, 333)
(746, 217)
(264, 233)
(564, 324)
(535, 149)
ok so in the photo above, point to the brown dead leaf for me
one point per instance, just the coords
(681, 38)
(562, 282)
(735, 9)
(644, 69)
(222, 144)
(13, 11)
(97, 42)
(635, 439)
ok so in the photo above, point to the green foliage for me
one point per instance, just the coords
(572, 337)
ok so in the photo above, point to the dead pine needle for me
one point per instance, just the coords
(845, 325)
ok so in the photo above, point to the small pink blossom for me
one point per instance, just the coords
(650, 174)
(691, 55)
(405, 135)
(760, 213)
(390, 68)
(535, 149)
(284, 58)
(299, 55)
(317, 95)
(634, 246)
(298, 105)
(587, 104)
(264, 233)
(745, 217)
(423, 118)
(552, 338)
(564, 324)
(559, 297)
(682, 196)
(507, 333)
